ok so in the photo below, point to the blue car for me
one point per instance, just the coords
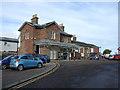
(20, 62)
(45, 58)
(5, 62)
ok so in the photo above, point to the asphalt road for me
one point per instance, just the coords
(13, 77)
(81, 74)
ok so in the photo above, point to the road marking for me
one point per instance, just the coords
(34, 79)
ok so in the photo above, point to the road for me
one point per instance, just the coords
(13, 77)
(81, 74)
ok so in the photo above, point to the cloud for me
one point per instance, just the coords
(92, 22)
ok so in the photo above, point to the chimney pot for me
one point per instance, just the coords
(34, 19)
(74, 38)
(62, 27)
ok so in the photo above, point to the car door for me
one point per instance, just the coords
(36, 61)
(25, 61)
(31, 61)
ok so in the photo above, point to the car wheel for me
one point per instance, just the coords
(4, 66)
(20, 67)
(39, 65)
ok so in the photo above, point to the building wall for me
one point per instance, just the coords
(66, 39)
(96, 50)
(26, 44)
(8, 46)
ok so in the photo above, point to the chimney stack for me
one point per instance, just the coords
(74, 38)
(34, 19)
(62, 27)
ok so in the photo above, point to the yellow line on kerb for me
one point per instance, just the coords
(34, 79)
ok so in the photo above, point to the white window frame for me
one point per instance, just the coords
(26, 35)
(52, 35)
(92, 49)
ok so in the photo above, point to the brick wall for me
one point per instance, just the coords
(63, 37)
(26, 45)
(96, 50)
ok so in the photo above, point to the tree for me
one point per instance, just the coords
(107, 51)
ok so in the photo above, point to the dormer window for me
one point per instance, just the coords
(52, 35)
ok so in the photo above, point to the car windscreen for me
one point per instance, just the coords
(15, 57)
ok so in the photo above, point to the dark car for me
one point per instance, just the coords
(117, 57)
(6, 62)
(45, 58)
(94, 57)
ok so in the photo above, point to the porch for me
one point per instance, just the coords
(57, 50)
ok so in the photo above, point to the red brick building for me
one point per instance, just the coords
(49, 38)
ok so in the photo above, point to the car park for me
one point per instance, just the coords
(4, 63)
(93, 57)
(20, 62)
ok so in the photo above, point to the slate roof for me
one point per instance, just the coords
(9, 39)
(38, 26)
(84, 44)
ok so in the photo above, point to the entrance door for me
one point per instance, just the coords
(53, 54)
(37, 49)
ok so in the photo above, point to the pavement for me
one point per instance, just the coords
(13, 77)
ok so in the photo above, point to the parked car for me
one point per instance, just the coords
(4, 64)
(111, 57)
(24, 61)
(95, 57)
(44, 58)
(117, 57)
(106, 56)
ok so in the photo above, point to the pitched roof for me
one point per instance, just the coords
(84, 44)
(9, 39)
(38, 26)
(66, 34)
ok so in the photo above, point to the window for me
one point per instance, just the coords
(24, 57)
(66, 39)
(5, 43)
(15, 57)
(52, 35)
(27, 35)
(92, 49)
(30, 57)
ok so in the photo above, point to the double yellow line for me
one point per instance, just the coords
(34, 79)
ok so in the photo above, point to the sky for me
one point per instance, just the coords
(92, 22)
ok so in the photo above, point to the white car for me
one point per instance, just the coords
(111, 57)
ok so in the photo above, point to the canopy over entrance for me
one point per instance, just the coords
(60, 44)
